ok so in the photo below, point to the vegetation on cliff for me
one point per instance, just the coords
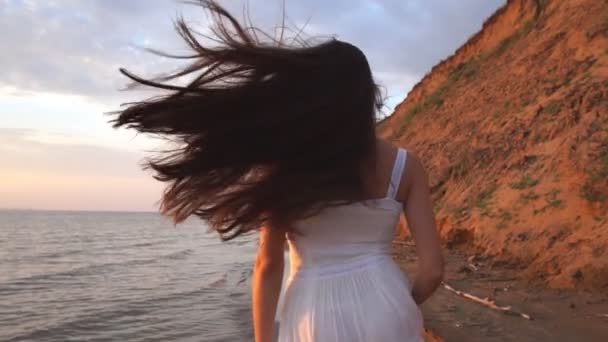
(513, 128)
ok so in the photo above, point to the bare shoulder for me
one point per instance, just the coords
(413, 174)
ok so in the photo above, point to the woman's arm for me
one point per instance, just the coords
(267, 277)
(421, 222)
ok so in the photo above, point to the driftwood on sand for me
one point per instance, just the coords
(487, 302)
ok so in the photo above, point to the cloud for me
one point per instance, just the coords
(60, 71)
(54, 171)
(73, 46)
(63, 154)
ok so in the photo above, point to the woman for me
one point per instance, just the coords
(281, 140)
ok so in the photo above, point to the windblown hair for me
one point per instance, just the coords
(266, 132)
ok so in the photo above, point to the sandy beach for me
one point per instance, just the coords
(556, 314)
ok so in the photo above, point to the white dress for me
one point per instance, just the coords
(343, 284)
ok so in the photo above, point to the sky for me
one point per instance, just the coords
(60, 76)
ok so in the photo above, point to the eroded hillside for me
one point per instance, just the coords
(513, 129)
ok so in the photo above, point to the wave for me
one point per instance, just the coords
(151, 311)
(91, 270)
(88, 250)
(178, 255)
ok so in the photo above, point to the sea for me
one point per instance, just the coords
(113, 276)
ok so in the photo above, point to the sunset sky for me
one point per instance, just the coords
(60, 63)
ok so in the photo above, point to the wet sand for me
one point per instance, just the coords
(557, 315)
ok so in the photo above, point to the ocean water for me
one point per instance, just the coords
(92, 276)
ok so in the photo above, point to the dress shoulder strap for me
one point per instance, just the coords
(397, 173)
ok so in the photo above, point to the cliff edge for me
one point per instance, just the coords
(513, 129)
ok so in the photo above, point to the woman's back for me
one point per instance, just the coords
(350, 232)
(343, 284)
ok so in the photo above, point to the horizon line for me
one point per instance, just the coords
(83, 210)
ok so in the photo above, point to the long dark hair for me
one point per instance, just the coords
(265, 132)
